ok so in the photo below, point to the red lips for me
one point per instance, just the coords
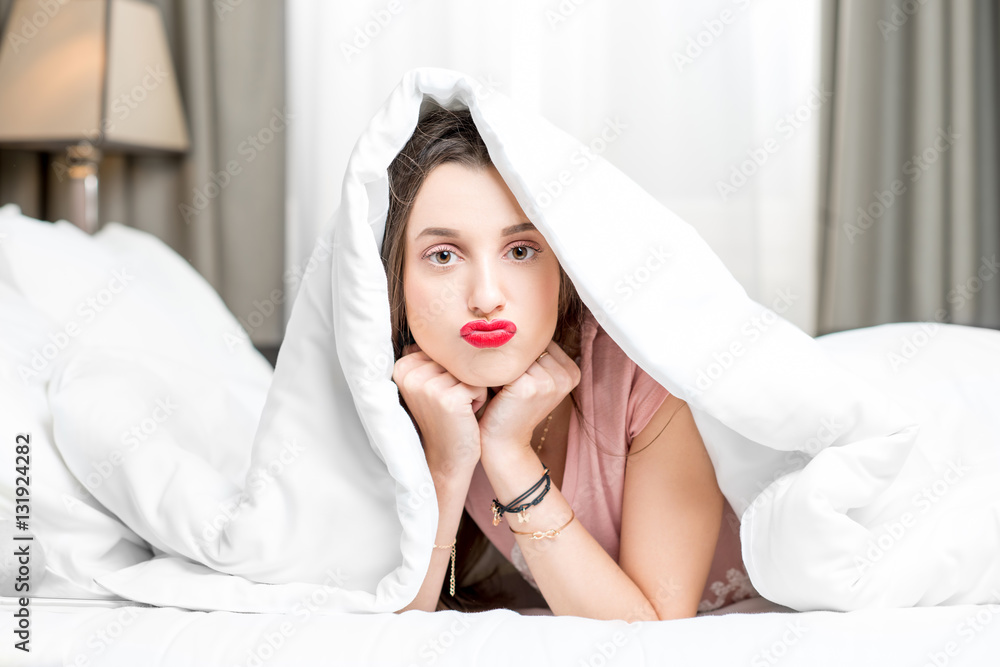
(480, 333)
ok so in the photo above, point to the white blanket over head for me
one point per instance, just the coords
(337, 506)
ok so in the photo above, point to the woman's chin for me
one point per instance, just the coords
(494, 374)
(494, 381)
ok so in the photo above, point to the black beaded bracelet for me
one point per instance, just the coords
(500, 509)
(527, 493)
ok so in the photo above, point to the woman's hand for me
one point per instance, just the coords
(511, 416)
(443, 408)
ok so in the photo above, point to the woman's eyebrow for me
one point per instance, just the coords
(454, 233)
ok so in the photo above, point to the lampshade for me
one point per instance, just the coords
(97, 71)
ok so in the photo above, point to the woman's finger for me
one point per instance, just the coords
(555, 362)
(553, 356)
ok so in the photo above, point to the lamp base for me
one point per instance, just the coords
(83, 160)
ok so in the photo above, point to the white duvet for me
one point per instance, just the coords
(864, 464)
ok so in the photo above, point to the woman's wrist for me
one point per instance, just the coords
(451, 477)
(507, 452)
(511, 470)
(450, 466)
(447, 461)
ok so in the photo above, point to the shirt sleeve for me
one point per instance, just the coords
(645, 398)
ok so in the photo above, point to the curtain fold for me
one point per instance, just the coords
(912, 230)
(221, 205)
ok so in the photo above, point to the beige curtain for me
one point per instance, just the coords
(912, 163)
(229, 58)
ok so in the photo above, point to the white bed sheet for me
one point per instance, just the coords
(75, 633)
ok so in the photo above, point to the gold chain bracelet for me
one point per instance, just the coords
(550, 533)
(451, 589)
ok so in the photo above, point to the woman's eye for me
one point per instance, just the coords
(524, 249)
(442, 252)
(521, 254)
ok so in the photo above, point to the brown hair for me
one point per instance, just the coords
(441, 136)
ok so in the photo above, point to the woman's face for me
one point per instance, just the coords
(473, 255)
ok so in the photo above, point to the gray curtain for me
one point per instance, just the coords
(912, 163)
(230, 65)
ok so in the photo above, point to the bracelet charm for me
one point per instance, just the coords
(551, 533)
(521, 510)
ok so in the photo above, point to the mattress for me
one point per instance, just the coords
(753, 632)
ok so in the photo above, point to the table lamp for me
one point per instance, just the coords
(88, 76)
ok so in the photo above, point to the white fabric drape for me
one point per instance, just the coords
(685, 98)
(818, 461)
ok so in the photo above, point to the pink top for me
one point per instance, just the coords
(594, 483)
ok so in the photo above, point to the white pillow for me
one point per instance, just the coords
(75, 538)
(72, 301)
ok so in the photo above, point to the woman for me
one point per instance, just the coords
(503, 370)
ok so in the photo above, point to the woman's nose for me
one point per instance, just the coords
(487, 293)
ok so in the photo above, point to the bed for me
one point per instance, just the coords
(72, 620)
(77, 633)
(173, 502)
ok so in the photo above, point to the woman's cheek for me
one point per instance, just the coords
(417, 308)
